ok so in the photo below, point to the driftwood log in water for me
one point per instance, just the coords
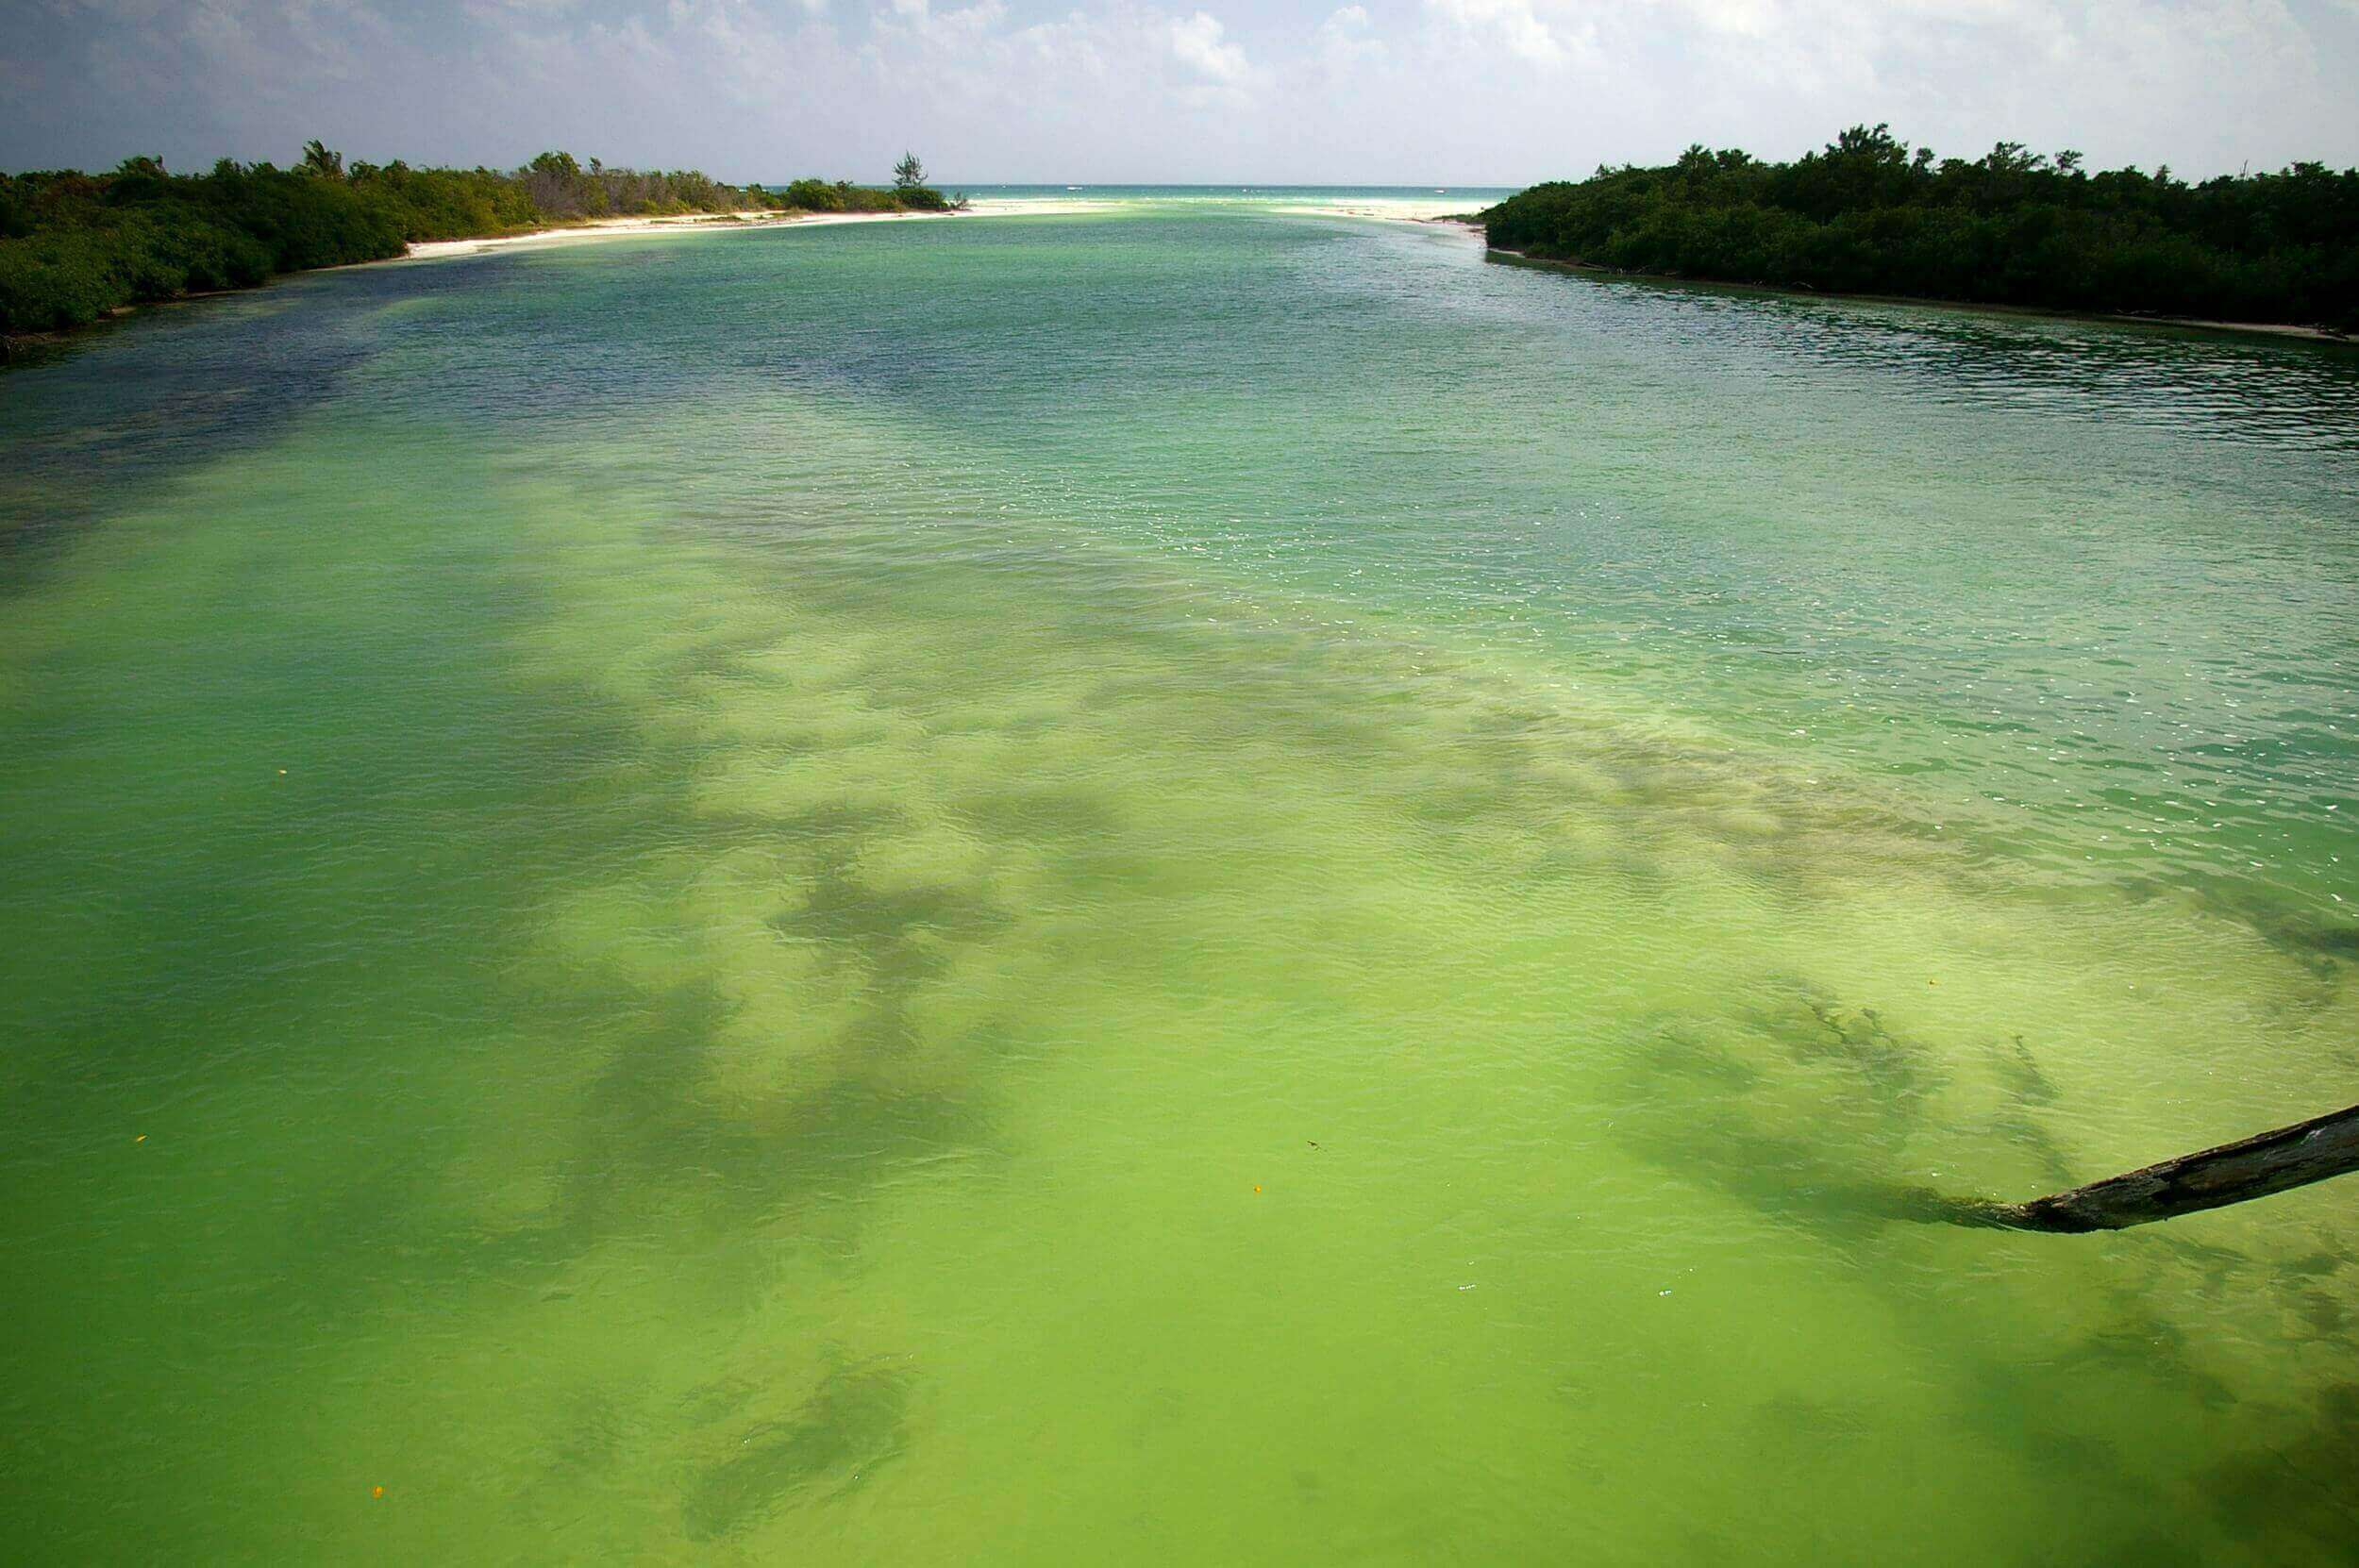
(2255, 1167)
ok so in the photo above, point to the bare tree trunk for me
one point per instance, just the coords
(2252, 1167)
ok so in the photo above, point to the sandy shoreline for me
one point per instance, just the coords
(711, 223)
(1389, 209)
(615, 229)
(1407, 210)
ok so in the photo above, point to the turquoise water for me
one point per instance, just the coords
(1167, 199)
(1195, 883)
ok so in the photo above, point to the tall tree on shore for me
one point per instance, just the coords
(908, 174)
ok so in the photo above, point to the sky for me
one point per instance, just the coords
(1367, 92)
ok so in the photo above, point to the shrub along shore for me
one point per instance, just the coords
(76, 247)
(1868, 215)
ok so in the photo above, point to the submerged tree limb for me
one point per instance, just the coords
(2273, 1161)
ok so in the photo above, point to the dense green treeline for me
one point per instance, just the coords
(76, 247)
(1867, 215)
(910, 194)
(818, 195)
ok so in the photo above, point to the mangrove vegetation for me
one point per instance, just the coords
(75, 247)
(1869, 214)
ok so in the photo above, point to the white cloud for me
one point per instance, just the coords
(1517, 25)
(1198, 43)
(1441, 90)
(1346, 42)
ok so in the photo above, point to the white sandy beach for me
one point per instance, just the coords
(1399, 209)
(1392, 210)
(711, 223)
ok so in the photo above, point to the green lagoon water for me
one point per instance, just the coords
(1194, 884)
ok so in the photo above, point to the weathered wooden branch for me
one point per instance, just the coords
(2273, 1161)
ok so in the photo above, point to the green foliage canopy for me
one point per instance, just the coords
(75, 246)
(819, 196)
(1869, 215)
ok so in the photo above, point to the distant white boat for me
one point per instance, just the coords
(1073, 187)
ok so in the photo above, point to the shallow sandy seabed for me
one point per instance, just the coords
(880, 960)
